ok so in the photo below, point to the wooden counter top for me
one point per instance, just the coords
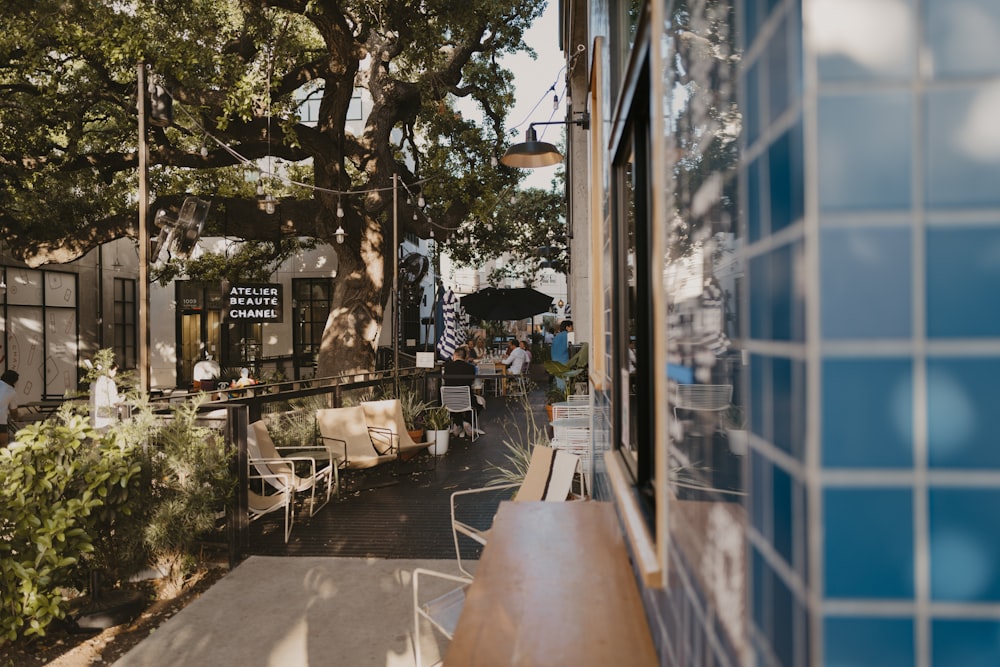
(554, 587)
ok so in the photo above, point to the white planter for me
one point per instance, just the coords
(440, 442)
(737, 441)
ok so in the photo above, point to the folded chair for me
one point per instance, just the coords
(277, 470)
(388, 430)
(442, 611)
(549, 477)
(260, 504)
(458, 400)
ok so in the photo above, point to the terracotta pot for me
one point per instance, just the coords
(417, 435)
(548, 411)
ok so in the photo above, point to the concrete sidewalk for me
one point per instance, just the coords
(277, 611)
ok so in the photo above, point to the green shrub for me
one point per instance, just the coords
(193, 481)
(59, 486)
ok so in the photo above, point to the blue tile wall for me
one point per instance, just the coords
(961, 413)
(962, 37)
(866, 282)
(782, 518)
(962, 166)
(856, 641)
(752, 112)
(783, 613)
(965, 643)
(868, 543)
(869, 403)
(961, 262)
(965, 555)
(784, 401)
(787, 191)
(755, 216)
(776, 60)
(778, 311)
(865, 151)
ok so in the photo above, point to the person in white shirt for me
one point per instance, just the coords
(206, 373)
(8, 402)
(515, 360)
(104, 400)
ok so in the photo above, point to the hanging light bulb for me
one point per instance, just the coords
(340, 210)
(555, 101)
(269, 204)
(493, 161)
(420, 201)
(415, 216)
(513, 199)
(260, 189)
(569, 102)
(340, 235)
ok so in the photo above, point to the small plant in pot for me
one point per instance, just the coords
(413, 413)
(438, 421)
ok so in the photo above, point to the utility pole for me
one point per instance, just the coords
(143, 360)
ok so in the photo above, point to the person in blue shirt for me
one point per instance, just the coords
(560, 348)
(560, 343)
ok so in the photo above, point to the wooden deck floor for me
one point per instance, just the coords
(406, 514)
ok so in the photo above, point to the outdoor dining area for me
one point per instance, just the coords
(482, 534)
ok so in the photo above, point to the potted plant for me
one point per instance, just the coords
(413, 413)
(438, 421)
(735, 422)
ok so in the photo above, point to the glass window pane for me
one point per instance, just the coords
(963, 147)
(865, 151)
(964, 36)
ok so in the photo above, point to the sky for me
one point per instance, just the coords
(532, 80)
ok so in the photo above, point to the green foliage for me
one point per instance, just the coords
(520, 443)
(193, 480)
(413, 407)
(59, 488)
(437, 418)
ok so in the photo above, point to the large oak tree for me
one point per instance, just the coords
(237, 73)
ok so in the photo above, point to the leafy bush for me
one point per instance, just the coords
(59, 487)
(193, 481)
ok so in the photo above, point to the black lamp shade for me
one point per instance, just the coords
(532, 153)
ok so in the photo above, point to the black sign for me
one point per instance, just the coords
(254, 302)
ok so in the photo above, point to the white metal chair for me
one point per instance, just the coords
(703, 397)
(275, 469)
(441, 611)
(549, 477)
(458, 400)
(487, 374)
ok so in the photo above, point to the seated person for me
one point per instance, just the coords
(527, 351)
(244, 381)
(456, 373)
(206, 373)
(516, 359)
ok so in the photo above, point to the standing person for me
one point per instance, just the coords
(104, 399)
(560, 343)
(549, 335)
(8, 402)
(560, 348)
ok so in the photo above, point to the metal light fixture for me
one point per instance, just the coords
(534, 153)
(340, 234)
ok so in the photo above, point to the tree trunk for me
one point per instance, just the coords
(359, 296)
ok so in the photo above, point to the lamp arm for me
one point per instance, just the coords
(583, 121)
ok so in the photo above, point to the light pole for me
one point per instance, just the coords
(395, 281)
(143, 360)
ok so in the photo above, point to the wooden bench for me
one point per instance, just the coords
(554, 587)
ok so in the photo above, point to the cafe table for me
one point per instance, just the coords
(554, 586)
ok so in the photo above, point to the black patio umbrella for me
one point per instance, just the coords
(506, 303)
